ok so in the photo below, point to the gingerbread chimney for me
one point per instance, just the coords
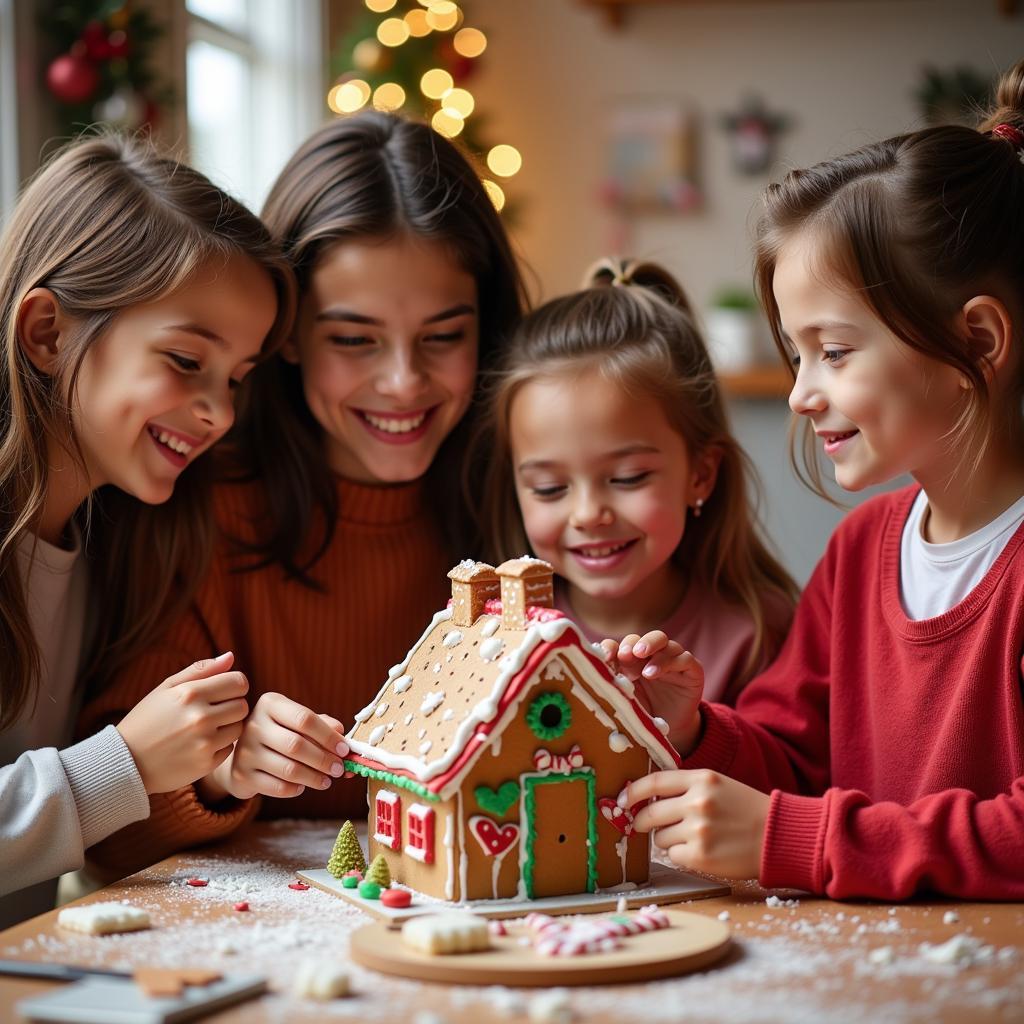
(473, 585)
(525, 582)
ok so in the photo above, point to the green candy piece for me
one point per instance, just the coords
(369, 890)
(497, 801)
(350, 882)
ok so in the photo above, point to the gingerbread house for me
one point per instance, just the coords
(496, 751)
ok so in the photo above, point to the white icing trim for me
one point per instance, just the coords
(452, 638)
(490, 627)
(449, 882)
(402, 683)
(377, 735)
(416, 853)
(386, 796)
(381, 709)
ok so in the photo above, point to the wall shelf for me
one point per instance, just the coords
(758, 382)
(615, 10)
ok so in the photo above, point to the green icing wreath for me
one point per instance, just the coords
(549, 716)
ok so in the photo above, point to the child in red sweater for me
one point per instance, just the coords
(883, 752)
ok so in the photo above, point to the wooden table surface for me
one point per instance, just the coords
(804, 960)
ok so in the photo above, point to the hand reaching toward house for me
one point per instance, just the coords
(185, 726)
(283, 748)
(703, 820)
(669, 681)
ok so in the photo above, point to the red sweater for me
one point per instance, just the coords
(893, 749)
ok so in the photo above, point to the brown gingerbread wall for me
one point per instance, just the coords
(503, 764)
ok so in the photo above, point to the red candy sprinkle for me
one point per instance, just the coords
(242, 906)
(199, 882)
(395, 898)
(301, 886)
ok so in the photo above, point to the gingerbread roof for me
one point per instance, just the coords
(524, 566)
(459, 687)
(468, 570)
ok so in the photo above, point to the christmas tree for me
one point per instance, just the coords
(347, 854)
(379, 872)
(415, 57)
(104, 72)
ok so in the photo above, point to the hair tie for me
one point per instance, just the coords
(620, 279)
(1012, 135)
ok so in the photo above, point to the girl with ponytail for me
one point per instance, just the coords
(609, 455)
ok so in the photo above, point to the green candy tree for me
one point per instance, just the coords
(347, 854)
(379, 872)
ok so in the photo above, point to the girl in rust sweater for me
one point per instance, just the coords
(342, 509)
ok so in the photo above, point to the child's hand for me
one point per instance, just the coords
(671, 681)
(283, 748)
(703, 820)
(186, 726)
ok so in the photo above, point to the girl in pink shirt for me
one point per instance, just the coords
(882, 754)
(610, 456)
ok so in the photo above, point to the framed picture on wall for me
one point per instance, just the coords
(652, 164)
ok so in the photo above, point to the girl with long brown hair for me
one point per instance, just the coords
(134, 296)
(345, 511)
(881, 754)
(609, 455)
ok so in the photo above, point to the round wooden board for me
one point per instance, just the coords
(693, 941)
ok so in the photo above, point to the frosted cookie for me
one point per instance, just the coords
(318, 979)
(103, 918)
(456, 932)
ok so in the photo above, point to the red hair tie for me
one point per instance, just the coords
(1012, 135)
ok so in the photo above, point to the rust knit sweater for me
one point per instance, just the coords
(383, 577)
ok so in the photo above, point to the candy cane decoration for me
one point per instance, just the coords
(557, 937)
(544, 760)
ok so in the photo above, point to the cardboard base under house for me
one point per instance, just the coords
(666, 885)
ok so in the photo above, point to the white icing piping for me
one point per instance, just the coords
(449, 882)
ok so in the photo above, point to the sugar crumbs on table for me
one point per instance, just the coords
(242, 906)
(300, 886)
(198, 882)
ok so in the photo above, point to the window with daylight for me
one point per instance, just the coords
(421, 833)
(253, 88)
(388, 829)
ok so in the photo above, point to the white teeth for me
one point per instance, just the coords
(392, 426)
(174, 443)
(601, 552)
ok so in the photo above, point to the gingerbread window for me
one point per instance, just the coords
(388, 828)
(421, 833)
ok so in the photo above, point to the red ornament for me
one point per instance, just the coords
(72, 79)
(94, 35)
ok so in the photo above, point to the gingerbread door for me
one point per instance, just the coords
(560, 834)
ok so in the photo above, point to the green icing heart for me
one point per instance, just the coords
(497, 802)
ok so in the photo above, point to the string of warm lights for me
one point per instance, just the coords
(447, 105)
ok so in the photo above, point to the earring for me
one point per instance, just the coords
(697, 506)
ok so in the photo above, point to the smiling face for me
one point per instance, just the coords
(880, 408)
(603, 482)
(387, 341)
(155, 391)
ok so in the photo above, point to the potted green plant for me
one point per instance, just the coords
(733, 324)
